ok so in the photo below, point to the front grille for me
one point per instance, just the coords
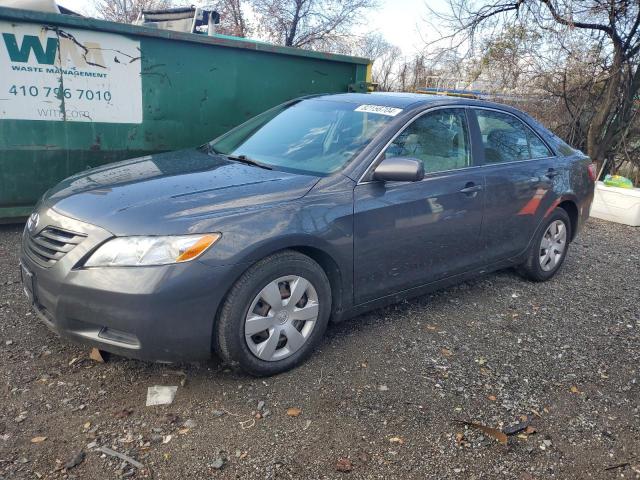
(51, 244)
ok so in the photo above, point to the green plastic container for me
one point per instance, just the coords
(76, 93)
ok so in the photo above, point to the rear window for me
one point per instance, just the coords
(507, 139)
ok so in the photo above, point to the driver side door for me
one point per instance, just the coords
(408, 234)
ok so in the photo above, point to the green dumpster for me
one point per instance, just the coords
(76, 93)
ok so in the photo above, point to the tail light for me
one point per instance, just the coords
(592, 171)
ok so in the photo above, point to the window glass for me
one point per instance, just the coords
(439, 139)
(311, 136)
(507, 139)
(537, 147)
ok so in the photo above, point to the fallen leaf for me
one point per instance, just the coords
(431, 327)
(167, 438)
(530, 430)
(344, 465)
(38, 439)
(522, 436)
(574, 389)
(183, 431)
(364, 365)
(460, 438)
(397, 440)
(293, 411)
(96, 355)
(492, 432)
(446, 352)
(87, 425)
(492, 398)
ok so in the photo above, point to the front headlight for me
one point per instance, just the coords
(143, 251)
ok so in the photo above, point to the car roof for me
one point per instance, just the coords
(408, 101)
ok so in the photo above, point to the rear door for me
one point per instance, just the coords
(520, 171)
(411, 233)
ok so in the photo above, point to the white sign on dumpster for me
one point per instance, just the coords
(61, 74)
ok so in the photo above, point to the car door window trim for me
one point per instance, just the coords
(378, 157)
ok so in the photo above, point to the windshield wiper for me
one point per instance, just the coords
(247, 160)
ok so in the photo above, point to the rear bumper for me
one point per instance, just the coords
(162, 313)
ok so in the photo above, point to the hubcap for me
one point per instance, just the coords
(553, 244)
(281, 318)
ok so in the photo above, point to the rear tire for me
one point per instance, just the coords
(548, 248)
(259, 329)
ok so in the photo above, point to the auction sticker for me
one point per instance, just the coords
(63, 74)
(390, 111)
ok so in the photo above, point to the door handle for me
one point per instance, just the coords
(471, 189)
(552, 172)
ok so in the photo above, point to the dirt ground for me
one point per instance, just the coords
(384, 396)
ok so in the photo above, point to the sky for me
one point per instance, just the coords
(398, 20)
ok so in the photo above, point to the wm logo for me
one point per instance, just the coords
(45, 55)
(80, 55)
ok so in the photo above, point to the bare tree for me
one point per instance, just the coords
(384, 68)
(614, 25)
(126, 11)
(233, 18)
(308, 23)
(384, 55)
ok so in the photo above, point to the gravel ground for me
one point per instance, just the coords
(383, 397)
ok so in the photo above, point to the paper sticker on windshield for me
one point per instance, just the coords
(390, 111)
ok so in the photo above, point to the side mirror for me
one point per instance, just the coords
(397, 169)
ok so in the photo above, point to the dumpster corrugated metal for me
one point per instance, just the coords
(77, 93)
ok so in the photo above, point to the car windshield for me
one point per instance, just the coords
(311, 136)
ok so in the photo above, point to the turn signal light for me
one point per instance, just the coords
(197, 248)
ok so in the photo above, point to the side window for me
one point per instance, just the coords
(537, 147)
(440, 139)
(507, 139)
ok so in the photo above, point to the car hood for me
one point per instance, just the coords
(171, 193)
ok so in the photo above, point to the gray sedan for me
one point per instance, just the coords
(316, 210)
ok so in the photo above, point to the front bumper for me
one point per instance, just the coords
(161, 313)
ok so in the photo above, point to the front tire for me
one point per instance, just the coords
(548, 248)
(274, 315)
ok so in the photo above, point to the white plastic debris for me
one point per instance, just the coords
(160, 395)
